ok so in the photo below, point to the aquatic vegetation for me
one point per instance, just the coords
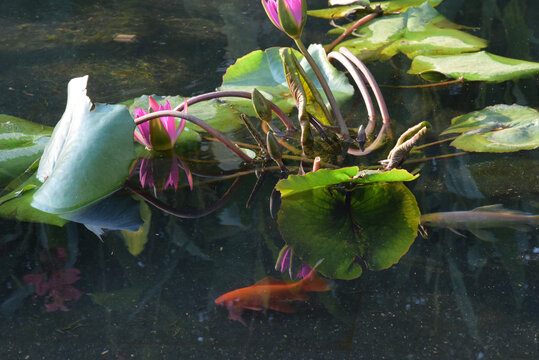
(278, 112)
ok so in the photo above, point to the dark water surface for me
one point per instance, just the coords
(450, 297)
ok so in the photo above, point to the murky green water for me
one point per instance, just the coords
(450, 296)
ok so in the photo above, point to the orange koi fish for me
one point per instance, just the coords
(271, 294)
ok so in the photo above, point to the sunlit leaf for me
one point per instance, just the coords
(480, 66)
(337, 12)
(325, 177)
(374, 225)
(16, 205)
(498, 128)
(263, 70)
(419, 31)
(88, 156)
(21, 143)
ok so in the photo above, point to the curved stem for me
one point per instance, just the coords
(229, 144)
(361, 86)
(182, 214)
(334, 106)
(363, 20)
(241, 94)
(371, 80)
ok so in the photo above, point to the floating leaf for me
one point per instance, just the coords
(16, 205)
(263, 70)
(88, 156)
(418, 31)
(375, 225)
(325, 177)
(21, 143)
(498, 128)
(480, 66)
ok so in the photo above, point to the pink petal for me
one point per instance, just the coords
(271, 8)
(71, 275)
(295, 8)
(153, 104)
(71, 293)
(304, 271)
(285, 261)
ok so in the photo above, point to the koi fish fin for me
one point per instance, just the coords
(234, 313)
(270, 281)
(253, 307)
(312, 282)
(282, 306)
(496, 208)
(456, 232)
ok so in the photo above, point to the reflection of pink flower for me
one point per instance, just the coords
(161, 133)
(160, 173)
(55, 283)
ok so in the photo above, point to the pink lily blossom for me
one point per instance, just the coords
(145, 133)
(291, 18)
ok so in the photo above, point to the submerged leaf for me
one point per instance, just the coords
(498, 128)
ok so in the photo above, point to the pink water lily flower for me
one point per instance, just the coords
(287, 15)
(158, 134)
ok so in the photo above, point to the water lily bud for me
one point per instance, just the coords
(261, 106)
(287, 15)
(274, 150)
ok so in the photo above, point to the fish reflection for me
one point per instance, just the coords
(272, 294)
(479, 219)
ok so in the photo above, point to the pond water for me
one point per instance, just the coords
(450, 296)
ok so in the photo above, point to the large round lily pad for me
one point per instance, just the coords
(374, 225)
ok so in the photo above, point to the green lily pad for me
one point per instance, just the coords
(418, 31)
(374, 225)
(21, 143)
(218, 115)
(337, 12)
(16, 205)
(263, 70)
(88, 156)
(325, 177)
(498, 128)
(480, 66)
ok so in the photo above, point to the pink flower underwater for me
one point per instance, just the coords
(284, 263)
(161, 133)
(287, 15)
(55, 283)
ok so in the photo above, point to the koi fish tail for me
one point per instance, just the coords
(313, 282)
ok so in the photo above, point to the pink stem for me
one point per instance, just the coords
(371, 80)
(362, 88)
(241, 94)
(229, 144)
(348, 31)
